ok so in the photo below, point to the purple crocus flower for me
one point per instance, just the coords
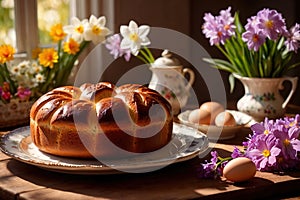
(265, 153)
(293, 38)
(271, 23)
(206, 170)
(252, 23)
(236, 153)
(225, 18)
(253, 36)
(260, 131)
(288, 142)
(289, 122)
(254, 39)
(211, 29)
(218, 28)
(264, 127)
(294, 121)
(214, 158)
(113, 44)
(209, 169)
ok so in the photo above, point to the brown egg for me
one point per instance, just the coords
(206, 114)
(225, 119)
(209, 111)
(239, 170)
(202, 117)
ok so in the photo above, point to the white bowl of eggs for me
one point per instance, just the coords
(215, 121)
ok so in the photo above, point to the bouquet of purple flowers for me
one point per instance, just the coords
(262, 48)
(274, 146)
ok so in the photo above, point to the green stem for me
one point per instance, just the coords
(145, 56)
(221, 160)
(47, 85)
(2, 77)
(150, 55)
(7, 78)
(142, 59)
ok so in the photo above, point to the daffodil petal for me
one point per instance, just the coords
(143, 31)
(102, 21)
(75, 21)
(124, 30)
(93, 19)
(105, 31)
(135, 50)
(133, 27)
(125, 44)
(145, 41)
(88, 35)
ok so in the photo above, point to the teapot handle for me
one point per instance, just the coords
(294, 81)
(191, 77)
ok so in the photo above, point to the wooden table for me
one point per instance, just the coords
(176, 181)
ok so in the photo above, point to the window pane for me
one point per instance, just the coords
(51, 12)
(7, 31)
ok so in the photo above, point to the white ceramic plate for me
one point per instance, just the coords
(186, 143)
(216, 132)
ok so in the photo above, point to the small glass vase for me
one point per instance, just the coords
(15, 113)
(262, 97)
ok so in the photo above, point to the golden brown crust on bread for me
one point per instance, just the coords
(99, 119)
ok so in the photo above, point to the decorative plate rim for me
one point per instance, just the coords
(192, 141)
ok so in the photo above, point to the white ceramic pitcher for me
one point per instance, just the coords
(262, 97)
(168, 78)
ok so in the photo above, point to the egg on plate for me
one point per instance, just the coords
(225, 118)
(206, 113)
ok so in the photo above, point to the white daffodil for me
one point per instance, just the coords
(39, 78)
(15, 70)
(24, 66)
(134, 37)
(96, 30)
(35, 68)
(76, 29)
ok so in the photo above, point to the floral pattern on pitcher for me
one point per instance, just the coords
(168, 94)
(269, 96)
(270, 110)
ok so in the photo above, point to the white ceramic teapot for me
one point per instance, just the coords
(168, 78)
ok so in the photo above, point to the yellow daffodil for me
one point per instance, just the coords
(6, 53)
(48, 57)
(57, 33)
(71, 47)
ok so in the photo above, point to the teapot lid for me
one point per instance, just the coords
(166, 60)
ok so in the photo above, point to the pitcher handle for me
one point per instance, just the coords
(191, 77)
(294, 81)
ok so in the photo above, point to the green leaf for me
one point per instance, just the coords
(231, 80)
(219, 64)
(238, 24)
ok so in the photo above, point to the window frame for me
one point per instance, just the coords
(26, 26)
(26, 19)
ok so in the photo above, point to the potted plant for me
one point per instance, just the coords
(258, 54)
